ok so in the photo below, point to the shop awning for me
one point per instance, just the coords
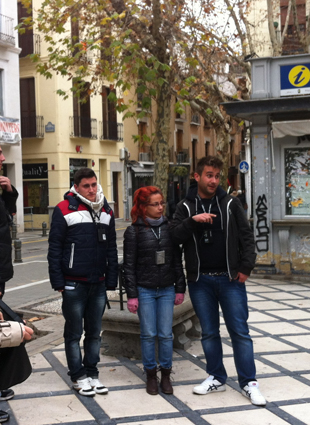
(290, 128)
(143, 172)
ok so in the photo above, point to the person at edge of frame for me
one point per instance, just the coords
(154, 282)
(83, 265)
(8, 200)
(12, 334)
(219, 254)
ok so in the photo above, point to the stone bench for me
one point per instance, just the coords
(121, 329)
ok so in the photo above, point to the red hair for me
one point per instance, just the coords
(141, 199)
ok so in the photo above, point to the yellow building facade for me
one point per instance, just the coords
(59, 136)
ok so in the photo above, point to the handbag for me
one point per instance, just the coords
(15, 366)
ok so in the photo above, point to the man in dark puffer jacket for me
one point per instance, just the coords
(82, 260)
(7, 207)
(219, 254)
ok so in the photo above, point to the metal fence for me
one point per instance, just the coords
(7, 29)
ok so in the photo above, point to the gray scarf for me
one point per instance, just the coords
(155, 221)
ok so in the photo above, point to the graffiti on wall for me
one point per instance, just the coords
(262, 229)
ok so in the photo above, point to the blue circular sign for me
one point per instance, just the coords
(243, 167)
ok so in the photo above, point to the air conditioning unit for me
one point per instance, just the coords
(144, 157)
(124, 154)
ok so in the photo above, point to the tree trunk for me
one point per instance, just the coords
(222, 151)
(160, 144)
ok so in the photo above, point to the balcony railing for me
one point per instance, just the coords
(32, 126)
(29, 43)
(7, 30)
(182, 156)
(145, 156)
(83, 127)
(111, 130)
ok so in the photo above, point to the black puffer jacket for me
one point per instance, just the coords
(7, 205)
(140, 246)
(240, 246)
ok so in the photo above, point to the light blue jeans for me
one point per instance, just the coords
(85, 303)
(156, 316)
(206, 295)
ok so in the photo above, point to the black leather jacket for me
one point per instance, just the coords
(140, 268)
(240, 247)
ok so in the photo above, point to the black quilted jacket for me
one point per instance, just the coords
(140, 269)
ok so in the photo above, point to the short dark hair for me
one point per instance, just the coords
(83, 173)
(208, 161)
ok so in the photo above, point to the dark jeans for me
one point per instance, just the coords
(207, 294)
(85, 302)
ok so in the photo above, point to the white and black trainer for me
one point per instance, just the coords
(83, 387)
(209, 385)
(252, 392)
(98, 386)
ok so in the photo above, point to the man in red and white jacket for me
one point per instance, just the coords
(83, 265)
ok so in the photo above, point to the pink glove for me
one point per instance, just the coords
(132, 305)
(179, 298)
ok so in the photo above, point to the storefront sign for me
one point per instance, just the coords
(9, 130)
(35, 171)
(295, 79)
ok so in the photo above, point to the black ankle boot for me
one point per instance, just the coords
(165, 383)
(151, 381)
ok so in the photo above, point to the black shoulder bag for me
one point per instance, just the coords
(15, 366)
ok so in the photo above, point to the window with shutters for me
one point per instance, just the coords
(28, 108)
(82, 125)
(110, 127)
(28, 41)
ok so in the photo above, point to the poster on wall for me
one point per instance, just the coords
(9, 130)
(297, 184)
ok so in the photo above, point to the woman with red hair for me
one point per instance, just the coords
(154, 282)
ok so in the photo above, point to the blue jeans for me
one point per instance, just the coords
(85, 302)
(207, 294)
(156, 316)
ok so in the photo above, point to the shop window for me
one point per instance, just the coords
(297, 183)
(36, 196)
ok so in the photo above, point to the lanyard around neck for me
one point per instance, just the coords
(155, 234)
(202, 206)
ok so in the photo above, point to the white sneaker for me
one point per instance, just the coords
(98, 386)
(209, 385)
(83, 387)
(252, 392)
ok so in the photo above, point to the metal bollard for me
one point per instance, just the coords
(14, 231)
(44, 226)
(18, 251)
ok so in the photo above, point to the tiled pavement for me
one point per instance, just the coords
(280, 328)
